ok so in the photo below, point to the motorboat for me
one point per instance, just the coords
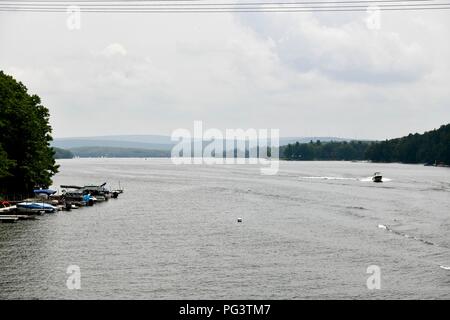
(100, 192)
(36, 207)
(377, 177)
(72, 194)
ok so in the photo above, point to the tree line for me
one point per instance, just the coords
(317, 150)
(432, 147)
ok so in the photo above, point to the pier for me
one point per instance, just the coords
(47, 201)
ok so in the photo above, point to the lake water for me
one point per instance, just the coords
(309, 232)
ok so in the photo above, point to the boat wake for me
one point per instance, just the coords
(384, 227)
(368, 179)
(328, 178)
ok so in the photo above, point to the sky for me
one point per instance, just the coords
(306, 74)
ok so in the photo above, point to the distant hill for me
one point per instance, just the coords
(144, 138)
(430, 147)
(151, 142)
(62, 153)
(115, 142)
(116, 152)
(144, 146)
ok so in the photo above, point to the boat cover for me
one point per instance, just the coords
(44, 191)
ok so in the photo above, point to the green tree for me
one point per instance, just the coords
(26, 158)
(5, 163)
(432, 146)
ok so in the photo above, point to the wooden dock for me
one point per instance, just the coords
(14, 218)
(8, 219)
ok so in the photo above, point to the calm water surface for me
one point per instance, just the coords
(309, 232)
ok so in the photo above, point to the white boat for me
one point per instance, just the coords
(36, 207)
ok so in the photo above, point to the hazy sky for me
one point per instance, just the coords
(322, 74)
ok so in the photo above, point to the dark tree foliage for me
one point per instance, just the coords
(354, 150)
(26, 158)
(431, 147)
(5, 163)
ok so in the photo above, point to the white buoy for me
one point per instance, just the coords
(239, 220)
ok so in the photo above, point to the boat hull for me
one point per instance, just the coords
(377, 179)
(35, 208)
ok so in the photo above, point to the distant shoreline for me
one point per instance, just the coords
(283, 160)
(431, 148)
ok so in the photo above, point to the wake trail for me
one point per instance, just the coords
(367, 179)
(405, 235)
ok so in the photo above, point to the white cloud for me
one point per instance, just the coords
(346, 52)
(304, 74)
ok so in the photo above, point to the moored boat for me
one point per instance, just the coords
(44, 192)
(100, 192)
(36, 207)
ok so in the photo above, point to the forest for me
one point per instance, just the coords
(432, 147)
